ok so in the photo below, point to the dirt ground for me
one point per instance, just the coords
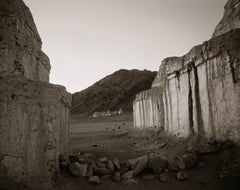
(116, 138)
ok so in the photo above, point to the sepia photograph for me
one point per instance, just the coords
(119, 94)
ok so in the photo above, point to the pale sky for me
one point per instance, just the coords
(89, 39)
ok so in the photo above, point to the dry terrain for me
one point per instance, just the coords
(115, 138)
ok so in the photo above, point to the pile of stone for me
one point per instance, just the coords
(95, 170)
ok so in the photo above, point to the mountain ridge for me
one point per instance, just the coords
(112, 92)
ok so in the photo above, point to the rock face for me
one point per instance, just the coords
(198, 93)
(231, 18)
(20, 44)
(34, 115)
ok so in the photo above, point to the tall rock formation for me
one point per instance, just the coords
(199, 93)
(231, 18)
(34, 115)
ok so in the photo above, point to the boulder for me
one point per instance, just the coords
(102, 171)
(128, 175)
(180, 164)
(116, 177)
(83, 170)
(123, 167)
(190, 160)
(141, 164)
(132, 163)
(101, 164)
(172, 166)
(182, 176)
(90, 171)
(116, 163)
(156, 163)
(74, 169)
(163, 178)
(103, 160)
(110, 165)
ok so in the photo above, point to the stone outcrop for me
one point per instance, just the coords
(200, 91)
(20, 44)
(231, 18)
(147, 102)
(34, 115)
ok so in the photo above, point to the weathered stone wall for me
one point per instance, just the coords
(34, 115)
(147, 102)
(231, 18)
(20, 44)
(33, 129)
(200, 91)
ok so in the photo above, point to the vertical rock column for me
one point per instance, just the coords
(34, 115)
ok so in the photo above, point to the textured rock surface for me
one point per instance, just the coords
(34, 115)
(200, 92)
(20, 44)
(231, 18)
(147, 102)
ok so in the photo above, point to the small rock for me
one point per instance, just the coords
(74, 169)
(180, 163)
(172, 166)
(83, 169)
(103, 160)
(101, 164)
(94, 180)
(116, 177)
(102, 171)
(94, 145)
(190, 160)
(110, 165)
(156, 163)
(141, 165)
(182, 176)
(128, 175)
(116, 163)
(132, 163)
(163, 178)
(90, 171)
(123, 167)
(148, 176)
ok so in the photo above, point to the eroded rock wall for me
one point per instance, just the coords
(147, 102)
(231, 18)
(20, 44)
(34, 115)
(33, 129)
(200, 91)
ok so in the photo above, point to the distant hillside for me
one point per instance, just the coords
(113, 92)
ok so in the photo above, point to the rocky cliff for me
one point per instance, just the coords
(199, 91)
(231, 18)
(34, 114)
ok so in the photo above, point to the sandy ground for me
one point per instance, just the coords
(117, 139)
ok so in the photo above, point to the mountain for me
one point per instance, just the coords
(113, 92)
